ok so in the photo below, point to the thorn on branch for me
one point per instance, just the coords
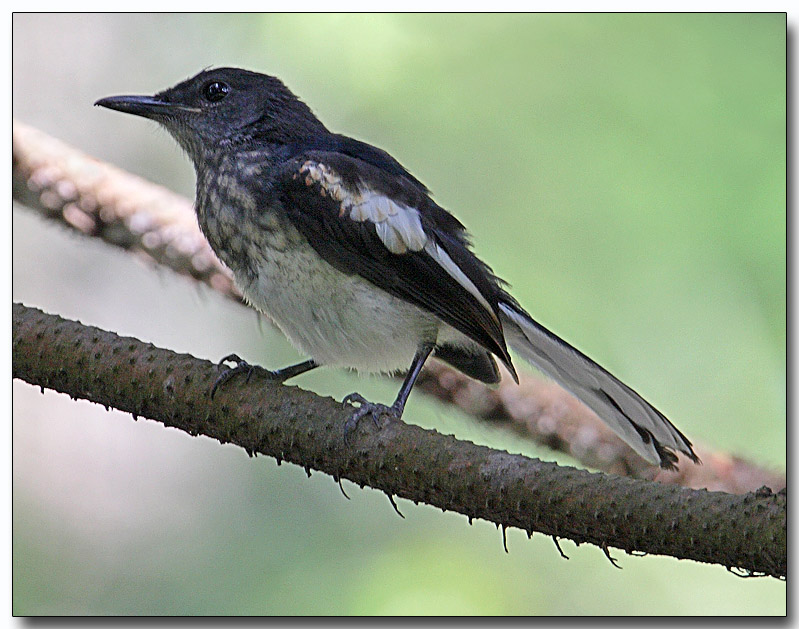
(504, 539)
(605, 550)
(557, 544)
(394, 504)
(341, 487)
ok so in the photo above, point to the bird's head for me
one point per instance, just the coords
(224, 107)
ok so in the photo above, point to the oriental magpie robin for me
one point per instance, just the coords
(348, 254)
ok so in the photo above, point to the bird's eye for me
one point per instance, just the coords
(214, 91)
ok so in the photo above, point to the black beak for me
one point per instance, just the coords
(147, 106)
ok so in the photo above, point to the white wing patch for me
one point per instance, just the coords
(448, 264)
(398, 226)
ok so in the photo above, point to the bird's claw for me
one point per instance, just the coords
(365, 407)
(241, 366)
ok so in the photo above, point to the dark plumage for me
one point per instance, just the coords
(346, 251)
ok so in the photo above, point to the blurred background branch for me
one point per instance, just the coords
(101, 201)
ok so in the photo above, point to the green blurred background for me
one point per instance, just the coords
(625, 173)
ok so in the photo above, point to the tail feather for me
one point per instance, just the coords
(634, 419)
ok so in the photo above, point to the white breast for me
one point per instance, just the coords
(334, 318)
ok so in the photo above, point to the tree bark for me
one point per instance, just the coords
(743, 532)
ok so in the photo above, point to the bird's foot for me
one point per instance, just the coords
(241, 366)
(365, 407)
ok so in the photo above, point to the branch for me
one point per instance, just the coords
(159, 226)
(744, 532)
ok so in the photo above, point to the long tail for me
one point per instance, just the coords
(634, 419)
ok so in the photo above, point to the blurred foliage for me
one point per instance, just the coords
(625, 173)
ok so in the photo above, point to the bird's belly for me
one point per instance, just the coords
(334, 318)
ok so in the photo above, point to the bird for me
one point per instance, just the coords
(349, 255)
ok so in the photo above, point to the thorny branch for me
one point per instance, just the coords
(157, 225)
(743, 532)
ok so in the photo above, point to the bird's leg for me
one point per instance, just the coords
(242, 366)
(377, 411)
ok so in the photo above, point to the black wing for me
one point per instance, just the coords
(378, 224)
